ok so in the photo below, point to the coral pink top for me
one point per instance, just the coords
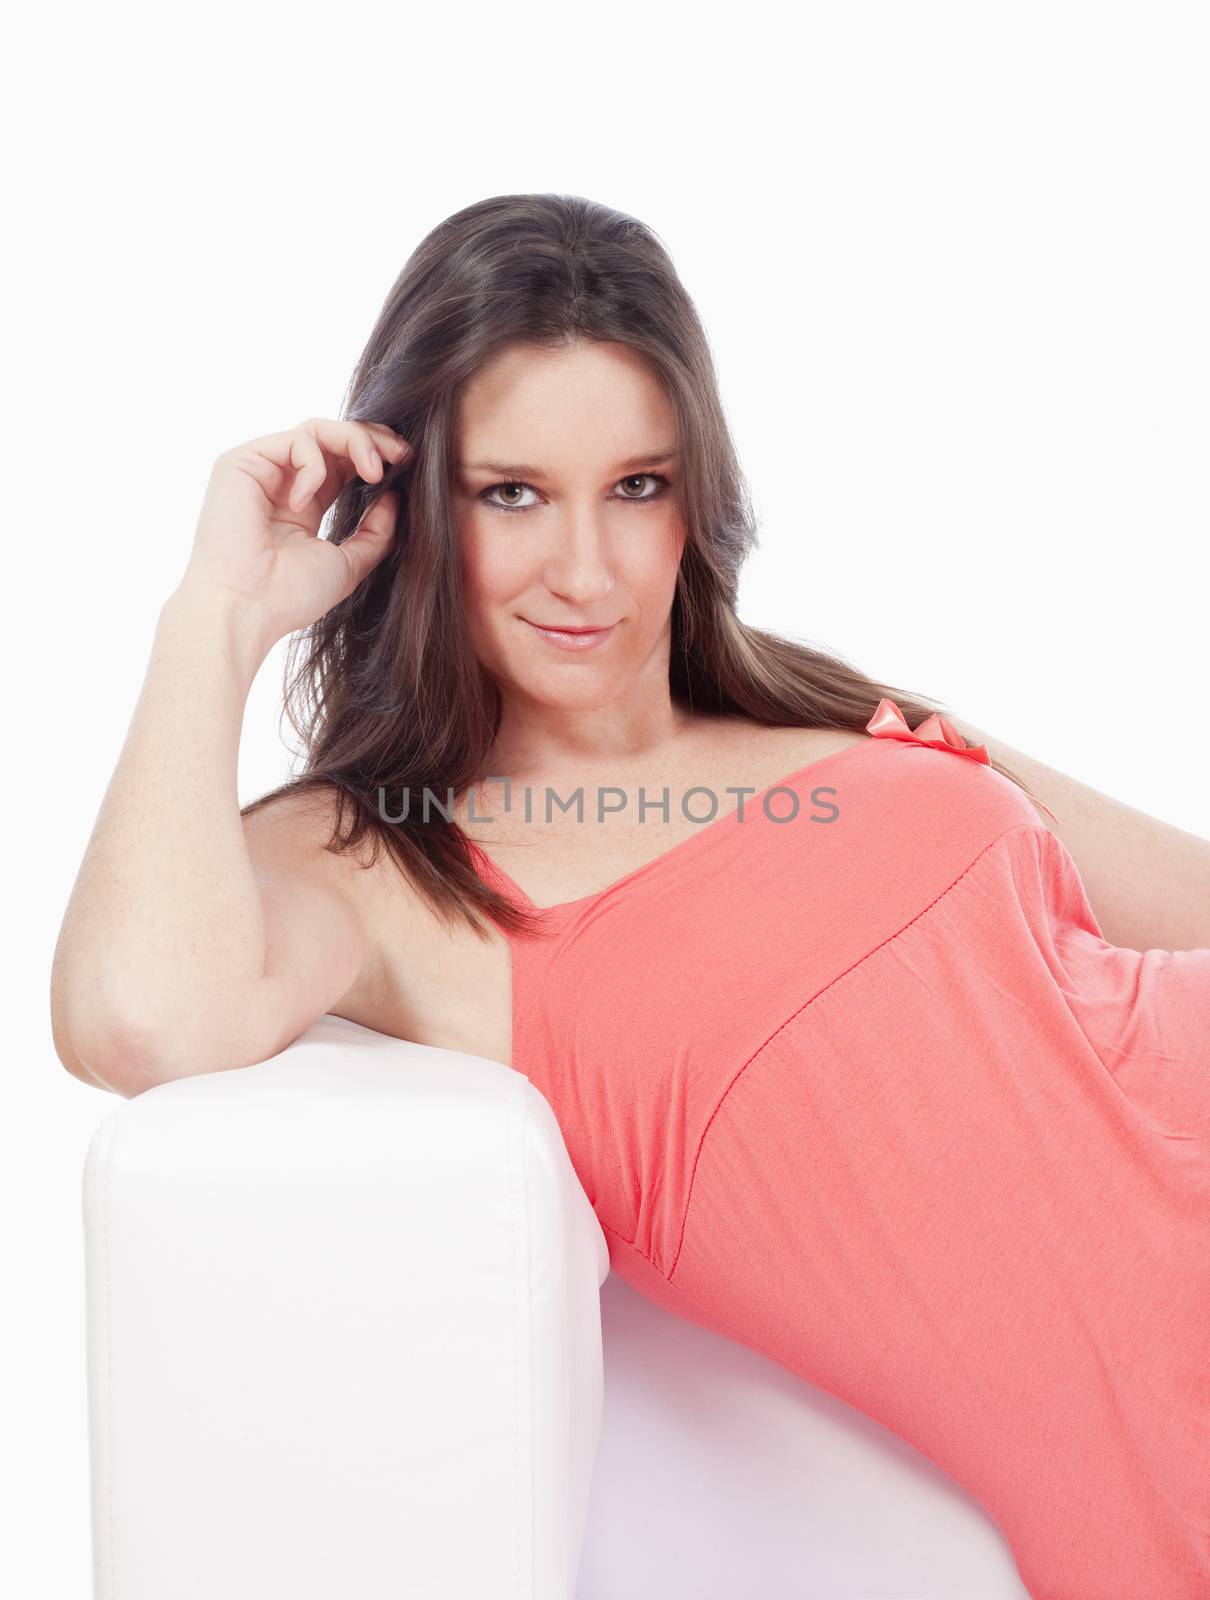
(868, 1091)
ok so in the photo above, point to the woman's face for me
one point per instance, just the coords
(566, 518)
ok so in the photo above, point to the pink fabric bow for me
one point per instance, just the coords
(936, 731)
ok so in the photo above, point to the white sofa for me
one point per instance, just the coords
(352, 1333)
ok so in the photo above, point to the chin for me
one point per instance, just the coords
(568, 691)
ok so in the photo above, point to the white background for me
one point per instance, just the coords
(952, 259)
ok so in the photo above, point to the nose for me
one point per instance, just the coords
(578, 566)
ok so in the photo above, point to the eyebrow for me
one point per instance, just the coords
(515, 471)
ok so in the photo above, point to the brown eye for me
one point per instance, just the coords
(510, 490)
(641, 478)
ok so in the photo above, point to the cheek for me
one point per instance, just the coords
(654, 558)
(488, 568)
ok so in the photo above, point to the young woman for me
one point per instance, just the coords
(890, 1070)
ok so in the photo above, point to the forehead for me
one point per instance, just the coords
(598, 402)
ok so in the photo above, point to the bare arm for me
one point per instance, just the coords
(1147, 881)
(196, 940)
(178, 953)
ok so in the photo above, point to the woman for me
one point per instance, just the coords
(851, 1074)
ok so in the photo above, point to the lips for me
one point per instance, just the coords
(577, 638)
(561, 627)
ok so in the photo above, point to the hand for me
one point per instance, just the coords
(257, 536)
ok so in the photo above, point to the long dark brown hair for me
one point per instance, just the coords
(385, 691)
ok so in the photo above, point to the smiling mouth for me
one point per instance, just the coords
(556, 627)
(577, 640)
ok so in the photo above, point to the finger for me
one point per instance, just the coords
(323, 453)
(335, 451)
(311, 468)
(350, 439)
(362, 449)
(392, 444)
(370, 541)
(323, 486)
(365, 453)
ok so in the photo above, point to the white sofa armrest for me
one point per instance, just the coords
(343, 1331)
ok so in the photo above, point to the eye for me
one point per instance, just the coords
(645, 477)
(512, 490)
(512, 507)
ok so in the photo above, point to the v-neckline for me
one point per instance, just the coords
(693, 841)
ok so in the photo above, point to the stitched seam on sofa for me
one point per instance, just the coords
(107, 1275)
(516, 1161)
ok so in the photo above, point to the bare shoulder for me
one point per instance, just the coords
(737, 737)
(298, 829)
(418, 977)
(295, 837)
(336, 907)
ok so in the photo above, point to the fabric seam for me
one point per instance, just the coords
(737, 1334)
(1015, 827)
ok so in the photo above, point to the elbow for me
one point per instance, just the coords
(113, 1042)
(129, 1042)
(102, 1034)
(136, 1052)
(117, 1053)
